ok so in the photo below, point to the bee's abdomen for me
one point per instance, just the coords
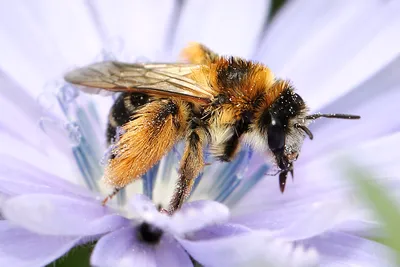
(122, 110)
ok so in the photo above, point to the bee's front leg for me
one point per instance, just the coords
(191, 165)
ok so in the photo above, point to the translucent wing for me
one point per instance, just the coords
(159, 79)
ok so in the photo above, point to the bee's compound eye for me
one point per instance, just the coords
(276, 135)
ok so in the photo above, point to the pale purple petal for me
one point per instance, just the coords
(19, 177)
(320, 218)
(218, 231)
(169, 253)
(317, 184)
(21, 248)
(249, 249)
(141, 204)
(61, 215)
(227, 27)
(354, 38)
(144, 209)
(198, 214)
(27, 114)
(367, 228)
(142, 26)
(339, 249)
(121, 249)
(55, 20)
(373, 101)
(191, 217)
(26, 42)
(48, 158)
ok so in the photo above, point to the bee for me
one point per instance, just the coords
(211, 100)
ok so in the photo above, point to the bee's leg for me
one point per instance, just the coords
(191, 165)
(228, 148)
(110, 196)
(198, 54)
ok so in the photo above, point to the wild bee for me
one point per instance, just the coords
(214, 101)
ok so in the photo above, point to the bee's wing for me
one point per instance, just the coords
(159, 79)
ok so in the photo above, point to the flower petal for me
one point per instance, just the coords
(373, 101)
(320, 218)
(250, 249)
(198, 214)
(170, 253)
(55, 20)
(45, 159)
(339, 249)
(227, 27)
(19, 177)
(21, 248)
(142, 26)
(141, 204)
(61, 215)
(143, 209)
(218, 231)
(27, 114)
(349, 36)
(320, 184)
(26, 49)
(121, 249)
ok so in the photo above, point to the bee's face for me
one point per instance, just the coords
(279, 124)
(285, 139)
(283, 127)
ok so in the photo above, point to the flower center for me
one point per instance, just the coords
(149, 234)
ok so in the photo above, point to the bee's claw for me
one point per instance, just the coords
(292, 174)
(105, 200)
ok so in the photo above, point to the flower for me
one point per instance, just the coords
(56, 216)
(342, 63)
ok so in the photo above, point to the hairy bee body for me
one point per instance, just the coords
(124, 107)
(217, 101)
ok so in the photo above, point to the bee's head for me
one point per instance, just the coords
(284, 125)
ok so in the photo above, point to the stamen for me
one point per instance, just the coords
(148, 181)
(225, 174)
(247, 185)
(228, 189)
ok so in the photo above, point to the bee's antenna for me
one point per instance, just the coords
(306, 130)
(332, 115)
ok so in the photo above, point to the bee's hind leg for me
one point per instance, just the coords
(111, 195)
(191, 165)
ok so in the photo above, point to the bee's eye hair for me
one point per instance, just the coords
(306, 130)
(332, 115)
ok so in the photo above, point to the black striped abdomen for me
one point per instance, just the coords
(122, 110)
